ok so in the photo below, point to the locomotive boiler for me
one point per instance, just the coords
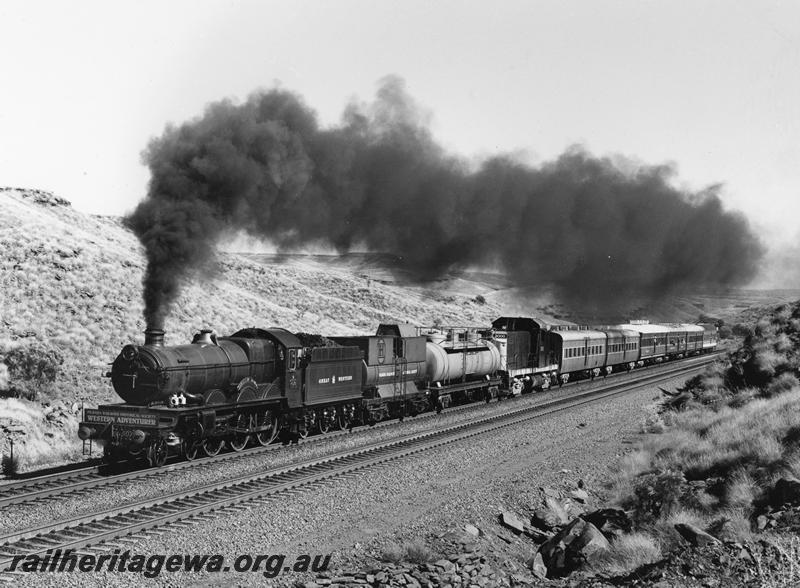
(210, 370)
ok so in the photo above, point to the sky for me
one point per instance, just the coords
(712, 88)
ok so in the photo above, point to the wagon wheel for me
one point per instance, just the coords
(328, 422)
(305, 425)
(344, 417)
(192, 449)
(239, 440)
(212, 446)
(267, 419)
(157, 453)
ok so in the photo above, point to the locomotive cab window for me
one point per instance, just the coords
(292, 360)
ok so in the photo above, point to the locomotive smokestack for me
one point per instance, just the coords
(154, 337)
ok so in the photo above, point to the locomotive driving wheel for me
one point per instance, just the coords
(239, 440)
(212, 446)
(157, 453)
(267, 419)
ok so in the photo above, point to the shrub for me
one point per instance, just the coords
(741, 490)
(783, 383)
(31, 368)
(417, 552)
(392, 553)
(10, 466)
(657, 494)
(480, 299)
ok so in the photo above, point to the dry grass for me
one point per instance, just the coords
(712, 463)
(417, 552)
(778, 562)
(43, 443)
(744, 446)
(627, 553)
(393, 553)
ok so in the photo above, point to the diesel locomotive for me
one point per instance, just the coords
(196, 398)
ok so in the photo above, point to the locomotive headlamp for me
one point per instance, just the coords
(129, 352)
(85, 433)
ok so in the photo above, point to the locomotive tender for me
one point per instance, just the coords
(196, 398)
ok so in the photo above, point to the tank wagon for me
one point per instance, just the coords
(196, 398)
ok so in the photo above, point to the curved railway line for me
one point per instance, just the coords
(199, 502)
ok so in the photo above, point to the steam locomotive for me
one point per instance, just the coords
(194, 399)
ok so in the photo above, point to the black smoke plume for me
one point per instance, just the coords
(378, 180)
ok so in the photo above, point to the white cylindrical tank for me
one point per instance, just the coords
(453, 362)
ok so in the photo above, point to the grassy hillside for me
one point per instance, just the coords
(724, 454)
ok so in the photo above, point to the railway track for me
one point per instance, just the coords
(119, 522)
(94, 476)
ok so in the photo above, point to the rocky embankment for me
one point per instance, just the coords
(573, 545)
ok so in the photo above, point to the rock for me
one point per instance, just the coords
(536, 534)
(472, 530)
(612, 522)
(537, 566)
(785, 491)
(512, 521)
(446, 565)
(552, 514)
(761, 522)
(724, 530)
(580, 495)
(504, 537)
(574, 545)
(550, 492)
(695, 536)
